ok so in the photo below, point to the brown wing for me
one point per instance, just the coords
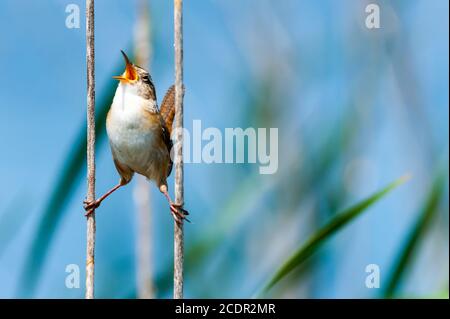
(167, 110)
(167, 113)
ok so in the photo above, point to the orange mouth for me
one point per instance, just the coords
(130, 75)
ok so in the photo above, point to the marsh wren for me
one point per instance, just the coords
(139, 134)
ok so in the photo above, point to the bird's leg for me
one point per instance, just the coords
(177, 210)
(89, 207)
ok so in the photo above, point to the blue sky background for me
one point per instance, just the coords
(301, 66)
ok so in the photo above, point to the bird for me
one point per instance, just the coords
(139, 134)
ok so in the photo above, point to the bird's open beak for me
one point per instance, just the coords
(130, 75)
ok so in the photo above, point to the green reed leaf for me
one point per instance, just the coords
(325, 233)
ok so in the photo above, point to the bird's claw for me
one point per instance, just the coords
(90, 206)
(179, 213)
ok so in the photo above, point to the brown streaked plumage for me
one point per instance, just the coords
(168, 108)
(139, 133)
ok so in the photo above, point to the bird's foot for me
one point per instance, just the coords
(179, 213)
(90, 206)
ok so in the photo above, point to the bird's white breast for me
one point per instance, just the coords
(127, 104)
(130, 134)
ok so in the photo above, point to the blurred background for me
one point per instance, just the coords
(355, 108)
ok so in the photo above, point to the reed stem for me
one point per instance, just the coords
(90, 152)
(179, 191)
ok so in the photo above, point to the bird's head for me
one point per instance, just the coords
(137, 77)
